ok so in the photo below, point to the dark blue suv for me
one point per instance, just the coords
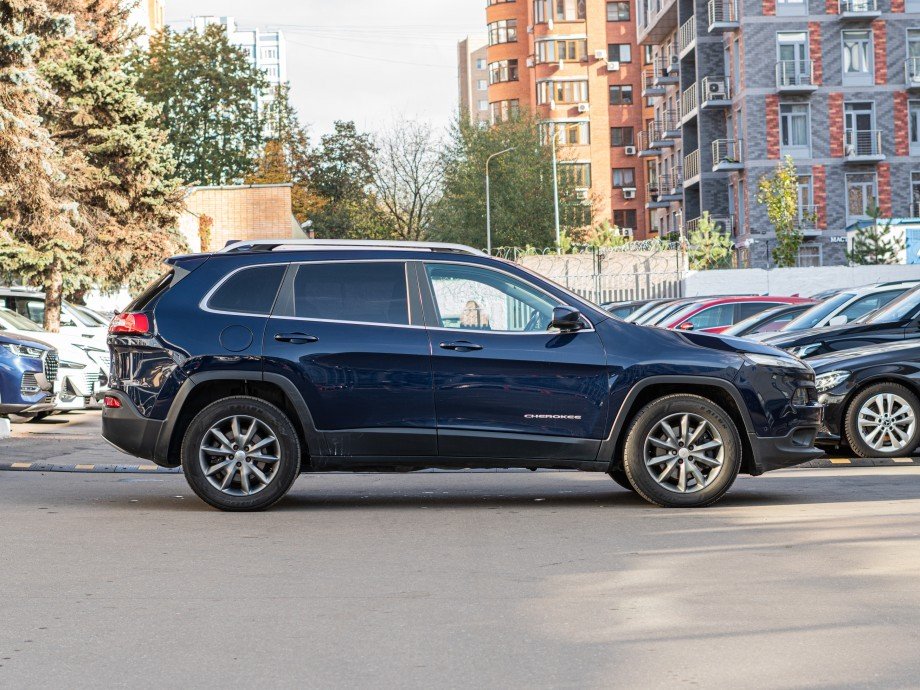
(28, 369)
(267, 359)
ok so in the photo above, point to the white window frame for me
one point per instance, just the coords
(861, 78)
(795, 150)
(913, 126)
(863, 216)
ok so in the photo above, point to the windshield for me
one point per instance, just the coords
(90, 314)
(10, 319)
(819, 312)
(900, 308)
(761, 319)
(80, 316)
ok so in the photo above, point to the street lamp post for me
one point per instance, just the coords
(556, 192)
(488, 200)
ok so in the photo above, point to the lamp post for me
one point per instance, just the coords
(552, 135)
(488, 201)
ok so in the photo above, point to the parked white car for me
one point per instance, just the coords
(82, 368)
(31, 304)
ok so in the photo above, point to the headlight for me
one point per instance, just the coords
(775, 361)
(832, 379)
(71, 365)
(24, 350)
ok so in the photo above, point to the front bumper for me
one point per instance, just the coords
(130, 431)
(43, 405)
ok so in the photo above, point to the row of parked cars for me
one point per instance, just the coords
(42, 373)
(863, 344)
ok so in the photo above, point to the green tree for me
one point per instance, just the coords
(521, 187)
(779, 192)
(709, 247)
(206, 91)
(874, 245)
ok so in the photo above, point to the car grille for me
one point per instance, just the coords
(29, 384)
(91, 381)
(51, 366)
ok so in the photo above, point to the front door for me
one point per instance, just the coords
(506, 386)
(350, 337)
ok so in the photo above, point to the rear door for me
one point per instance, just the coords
(349, 334)
(505, 386)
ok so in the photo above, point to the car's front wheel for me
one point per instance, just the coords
(682, 451)
(241, 454)
(882, 421)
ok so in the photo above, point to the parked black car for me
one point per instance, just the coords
(871, 398)
(897, 321)
(267, 359)
(623, 309)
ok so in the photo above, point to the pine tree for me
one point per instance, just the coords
(709, 248)
(874, 245)
(206, 91)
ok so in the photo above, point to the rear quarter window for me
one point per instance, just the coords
(249, 291)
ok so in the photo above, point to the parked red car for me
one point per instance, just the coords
(715, 314)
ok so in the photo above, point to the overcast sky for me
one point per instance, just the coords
(363, 60)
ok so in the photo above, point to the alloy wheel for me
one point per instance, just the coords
(886, 422)
(240, 455)
(684, 453)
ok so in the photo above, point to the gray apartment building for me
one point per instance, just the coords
(737, 85)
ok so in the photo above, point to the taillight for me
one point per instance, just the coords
(130, 323)
(111, 401)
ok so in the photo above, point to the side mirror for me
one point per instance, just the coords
(566, 319)
(838, 320)
(686, 326)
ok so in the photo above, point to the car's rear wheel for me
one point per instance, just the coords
(883, 421)
(241, 453)
(682, 451)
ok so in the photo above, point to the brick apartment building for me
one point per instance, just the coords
(473, 78)
(737, 85)
(575, 63)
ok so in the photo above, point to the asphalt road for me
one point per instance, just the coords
(801, 578)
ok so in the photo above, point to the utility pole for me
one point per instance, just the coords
(556, 191)
(489, 201)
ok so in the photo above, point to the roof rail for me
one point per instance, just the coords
(307, 245)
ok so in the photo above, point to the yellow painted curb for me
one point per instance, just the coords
(21, 465)
(841, 461)
(147, 468)
(84, 467)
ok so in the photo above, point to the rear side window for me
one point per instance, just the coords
(713, 317)
(154, 288)
(368, 292)
(744, 310)
(249, 291)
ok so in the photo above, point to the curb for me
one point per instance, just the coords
(86, 468)
(826, 463)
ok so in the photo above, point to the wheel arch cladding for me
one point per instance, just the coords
(716, 393)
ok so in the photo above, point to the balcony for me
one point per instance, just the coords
(859, 9)
(722, 16)
(644, 147)
(795, 76)
(688, 104)
(716, 92)
(686, 36)
(672, 186)
(807, 221)
(670, 123)
(691, 168)
(664, 76)
(724, 224)
(658, 135)
(912, 74)
(863, 145)
(660, 20)
(650, 85)
(726, 155)
(654, 197)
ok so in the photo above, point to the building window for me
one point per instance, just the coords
(576, 174)
(809, 256)
(861, 139)
(621, 95)
(648, 54)
(807, 214)
(792, 54)
(791, 7)
(623, 177)
(271, 71)
(503, 70)
(619, 52)
(622, 136)
(498, 2)
(270, 53)
(915, 194)
(567, 92)
(483, 105)
(567, 133)
(569, 49)
(480, 64)
(503, 31)
(502, 111)
(617, 11)
(913, 122)
(794, 130)
(857, 57)
(569, 10)
(862, 191)
(624, 218)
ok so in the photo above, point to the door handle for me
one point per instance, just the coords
(461, 346)
(296, 338)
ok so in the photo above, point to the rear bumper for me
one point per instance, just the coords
(130, 431)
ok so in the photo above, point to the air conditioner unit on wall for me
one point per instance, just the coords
(629, 192)
(581, 194)
(530, 62)
(629, 150)
(583, 107)
(628, 232)
(717, 91)
(600, 54)
(613, 66)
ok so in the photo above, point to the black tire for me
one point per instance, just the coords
(618, 475)
(287, 445)
(851, 421)
(39, 416)
(719, 423)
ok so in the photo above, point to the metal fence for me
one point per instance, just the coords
(638, 270)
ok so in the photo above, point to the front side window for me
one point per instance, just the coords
(503, 31)
(794, 129)
(713, 317)
(364, 292)
(621, 95)
(864, 305)
(249, 291)
(479, 299)
(857, 57)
